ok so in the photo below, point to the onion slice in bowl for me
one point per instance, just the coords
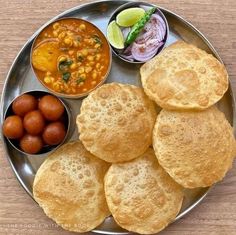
(143, 52)
(126, 31)
(127, 54)
(148, 42)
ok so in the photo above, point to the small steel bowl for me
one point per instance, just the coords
(65, 119)
(74, 96)
(138, 4)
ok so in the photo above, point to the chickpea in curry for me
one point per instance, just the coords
(71, 56)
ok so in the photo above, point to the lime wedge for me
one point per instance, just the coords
(115, 36)
(130, 16)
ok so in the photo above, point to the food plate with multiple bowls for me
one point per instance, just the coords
(117, 117)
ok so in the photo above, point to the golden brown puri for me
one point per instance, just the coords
(69, 188)
(141, 196)
(116, 122)
(195, 148)
(184, 77)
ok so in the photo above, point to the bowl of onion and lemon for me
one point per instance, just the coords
(137, 31)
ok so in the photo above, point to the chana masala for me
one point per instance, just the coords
(71, 56)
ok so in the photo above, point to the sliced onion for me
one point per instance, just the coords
(127, 54)
(127, 51)
(130, 57)
(161, 24)
(126, 31)
(143, 52)
(145, 36)
(153, 30)
(155, 24)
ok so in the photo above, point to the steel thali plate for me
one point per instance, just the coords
(21, 78)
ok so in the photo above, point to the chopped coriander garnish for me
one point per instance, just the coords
(66, 76)
(63, 65)
(97, 39)
(80, 80)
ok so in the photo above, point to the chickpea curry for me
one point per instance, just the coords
(71, 57)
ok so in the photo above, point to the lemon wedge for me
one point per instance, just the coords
(115, 36)
(130, 16)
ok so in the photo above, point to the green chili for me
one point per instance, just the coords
(137, 28)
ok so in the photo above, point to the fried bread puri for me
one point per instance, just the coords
(116, 122)
(141, 196)
(69, 188)
(184, 77)
(195, 148)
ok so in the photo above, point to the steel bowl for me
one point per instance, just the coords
(74, 96)
(138, 4)
(46, 148)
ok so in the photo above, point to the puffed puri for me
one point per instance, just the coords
(184, 77)
(116, 122)
(196, 148)
(141, 196)
(69, 188)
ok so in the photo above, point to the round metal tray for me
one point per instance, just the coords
(21, 78)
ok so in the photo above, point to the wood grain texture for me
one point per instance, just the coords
(19, 19)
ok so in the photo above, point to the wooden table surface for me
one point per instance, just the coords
(19, 19)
